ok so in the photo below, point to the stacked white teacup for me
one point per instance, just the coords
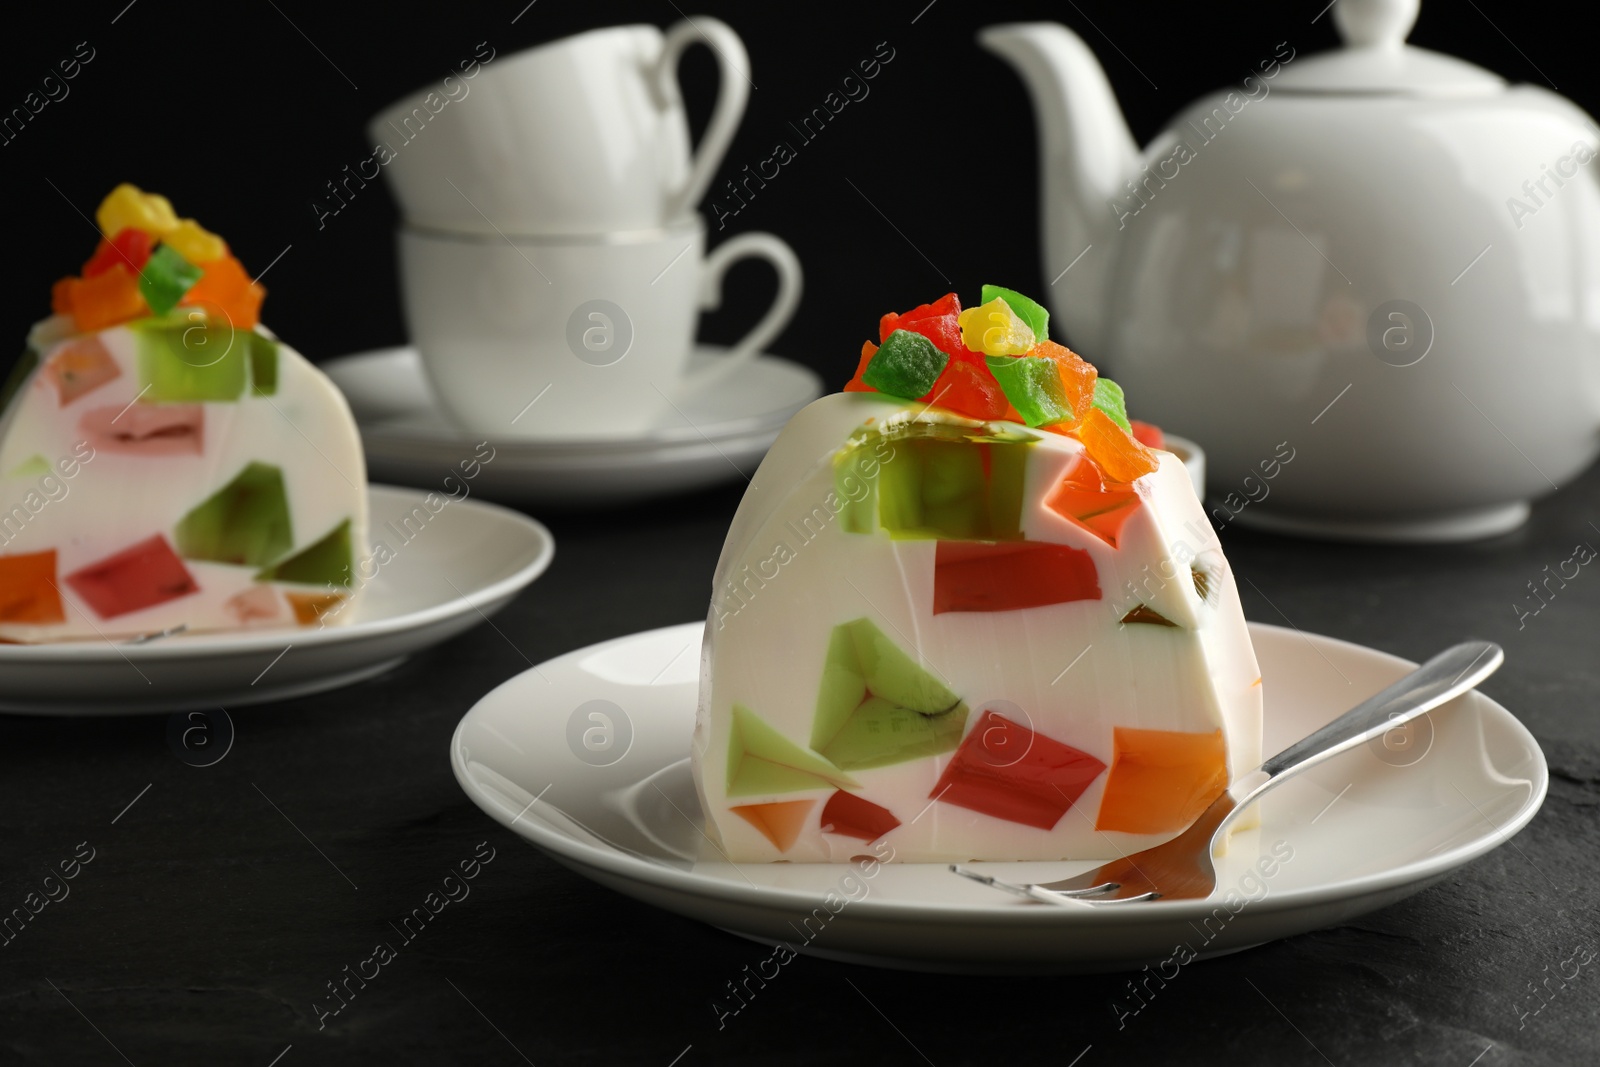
(552, 264)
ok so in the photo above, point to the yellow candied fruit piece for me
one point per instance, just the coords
(194, 242)
(128, 205)
(995, 330)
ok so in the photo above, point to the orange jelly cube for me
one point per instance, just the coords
(1077, 375)
(61, 296)
(28, 591)
(225, 291)
(1121, 457)
(779, 822)
(80, 366)
(106, 299)
(1098, 506)
(1161, 780)
(309, 608)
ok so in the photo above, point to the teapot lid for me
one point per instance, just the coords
(1376, 60)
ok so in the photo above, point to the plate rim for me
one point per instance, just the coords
(233, 642)
(727, 429)
(685, 883)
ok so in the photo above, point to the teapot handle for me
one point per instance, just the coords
(733, 92)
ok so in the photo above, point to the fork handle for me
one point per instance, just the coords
(1444, 677)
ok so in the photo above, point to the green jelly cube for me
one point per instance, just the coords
(263, 365)
(1033, 385)
(165, 278)
(761, 760)
(325, 562)
(35, 466)
(190, 363)
(245, 522)
(855, 483)
(906, 365)
(935, 480)
(1029, 311)
(877, 706)
(1108, 398)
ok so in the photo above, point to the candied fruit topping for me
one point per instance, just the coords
(1034, 388)
(1026, 309)
(995, 330)
(996, 367)
(165, 278)
(194, 242)
(129, 206)
(130, 248)
(1108, 399)
(906, 365)
(148, 261)
(1111, 447)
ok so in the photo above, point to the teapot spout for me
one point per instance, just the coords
(1086, 156)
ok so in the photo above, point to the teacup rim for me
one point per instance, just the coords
(397, 104)
(683, 226)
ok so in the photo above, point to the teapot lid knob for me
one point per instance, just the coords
(1375, 23)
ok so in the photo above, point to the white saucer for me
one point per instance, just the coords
(1365, 832)
(712, 437)
(460, 568)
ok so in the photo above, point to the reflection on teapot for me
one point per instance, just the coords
(1383, 255)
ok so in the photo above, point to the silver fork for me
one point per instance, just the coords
(1184, 868)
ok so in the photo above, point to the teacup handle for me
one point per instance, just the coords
(748, 246)
(733, 91)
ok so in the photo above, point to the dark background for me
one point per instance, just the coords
(235, 116)
(206, 925)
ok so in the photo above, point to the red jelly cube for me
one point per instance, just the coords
(1148, 434)
(969, 389)
(948, 305)
(1008, 771)
(1088, 499)
(130, 247)
(140, 576)
(28, 590)
(853, 816)
(1007, 576)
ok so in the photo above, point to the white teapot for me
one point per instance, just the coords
(1380, 261)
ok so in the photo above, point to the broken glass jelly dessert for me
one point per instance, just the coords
(967, 637)
(163, 460)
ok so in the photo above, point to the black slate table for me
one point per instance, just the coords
(216, 909)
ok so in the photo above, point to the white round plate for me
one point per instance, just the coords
(711, 437)
(465, 564)
(1365, 829)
